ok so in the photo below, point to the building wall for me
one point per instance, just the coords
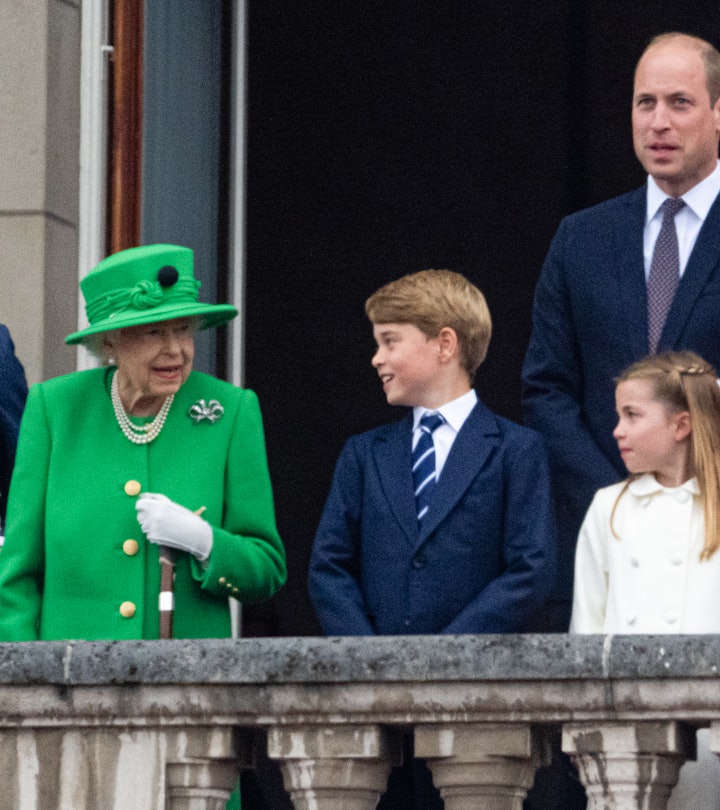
(39, 141)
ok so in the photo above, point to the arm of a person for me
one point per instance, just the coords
(510, 601)
(13, 393)
(21, 558)
(334, 574)
(552, 379)
(591, 572)
(247, 553)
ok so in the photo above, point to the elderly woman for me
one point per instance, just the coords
(142, 454)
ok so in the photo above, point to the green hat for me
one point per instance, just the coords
(145, 285)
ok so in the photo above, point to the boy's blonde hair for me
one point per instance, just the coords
(683, 381)
(431, 300)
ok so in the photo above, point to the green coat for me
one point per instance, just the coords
(66, 568)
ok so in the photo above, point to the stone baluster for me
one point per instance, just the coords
(328, 767)
(631, 765)
(202, 767)
(479, 764)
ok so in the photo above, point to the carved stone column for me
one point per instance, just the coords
(629, 766)
(480, 765)
(328, 767)
(202, 767)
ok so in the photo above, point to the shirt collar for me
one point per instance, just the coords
(698, 199)
(455, 412)
(647, 484)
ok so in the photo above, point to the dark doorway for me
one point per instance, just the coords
(388, 137)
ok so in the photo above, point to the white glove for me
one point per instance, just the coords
(169, 524)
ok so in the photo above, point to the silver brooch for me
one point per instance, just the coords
(212, 411)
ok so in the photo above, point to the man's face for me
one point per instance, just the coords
(675, 130)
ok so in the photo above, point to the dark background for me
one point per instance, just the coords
(389, 137)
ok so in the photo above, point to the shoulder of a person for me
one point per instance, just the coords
(608, 495)
(510, 433)
(382, 433)
(610, 207)
(76, 383)
(205, 386)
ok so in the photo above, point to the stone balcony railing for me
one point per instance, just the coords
(165, 725)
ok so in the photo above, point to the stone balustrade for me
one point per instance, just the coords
(165, 725)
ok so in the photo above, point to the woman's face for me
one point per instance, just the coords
(153, 361)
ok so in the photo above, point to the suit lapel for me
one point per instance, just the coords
(392, 453)
(469, 453)
(702, 262)
(628, 230)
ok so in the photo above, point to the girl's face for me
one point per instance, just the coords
(651, 439)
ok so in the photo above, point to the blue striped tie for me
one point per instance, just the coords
(423, 463)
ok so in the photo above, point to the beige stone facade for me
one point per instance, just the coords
(39, 179)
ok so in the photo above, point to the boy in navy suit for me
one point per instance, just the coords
(482, 558)
(477, 554)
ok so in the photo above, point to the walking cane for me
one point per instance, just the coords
(167, 595)
(166, 603)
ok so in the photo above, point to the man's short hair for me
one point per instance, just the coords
(709, 54)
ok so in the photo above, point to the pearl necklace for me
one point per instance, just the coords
(138, 434)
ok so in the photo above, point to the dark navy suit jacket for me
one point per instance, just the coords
(13, 392)
(589, 323)
(484, 560)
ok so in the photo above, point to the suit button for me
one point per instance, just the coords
(131, 547)
(632, 618)
(671, 617)
(132, 488)
(418, 562)
(127, 610)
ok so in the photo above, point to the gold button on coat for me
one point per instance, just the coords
(131, 547)
(132, 488)
(127, 609)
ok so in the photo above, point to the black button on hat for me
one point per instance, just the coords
(167, 275)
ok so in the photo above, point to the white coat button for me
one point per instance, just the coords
(632, 618)
(671, 617)
(676, 558)
(645, 501)
(634, 562)
(682, 496)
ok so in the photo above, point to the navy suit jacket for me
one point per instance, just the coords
(13, 393)
(589, 323)
(483, 561)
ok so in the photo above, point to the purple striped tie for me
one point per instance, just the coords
(664, 273)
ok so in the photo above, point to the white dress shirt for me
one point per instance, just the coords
(455, 413)
(688, 220)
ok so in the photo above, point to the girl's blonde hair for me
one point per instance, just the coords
(683, 381)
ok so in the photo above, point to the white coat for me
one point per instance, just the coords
(651, 579)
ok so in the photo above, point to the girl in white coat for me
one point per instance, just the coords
(647, 558)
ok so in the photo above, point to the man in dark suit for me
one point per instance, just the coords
(590, 317)
(13, 392)
(477, 555)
